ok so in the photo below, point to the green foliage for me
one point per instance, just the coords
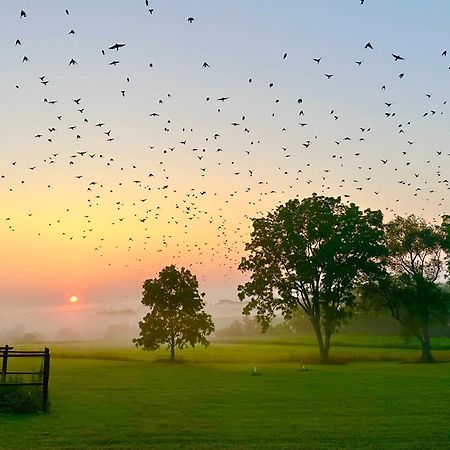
(20, 399)
(25, 400)
(416, 249)
(409, 286)
(6, 390)
(445, 233)
(176, 316)
(311, 255)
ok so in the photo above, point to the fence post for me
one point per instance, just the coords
(5, 362)
(46, 376)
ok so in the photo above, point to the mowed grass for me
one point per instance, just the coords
(131, 399)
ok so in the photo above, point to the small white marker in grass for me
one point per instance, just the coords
(255, 372)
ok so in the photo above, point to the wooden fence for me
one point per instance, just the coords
(7, 352)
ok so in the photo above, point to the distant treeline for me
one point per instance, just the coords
(381, 325)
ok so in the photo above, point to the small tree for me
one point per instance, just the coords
(310, 255)
(176, 316)
(409, 287)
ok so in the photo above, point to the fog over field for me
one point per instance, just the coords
(64, 324)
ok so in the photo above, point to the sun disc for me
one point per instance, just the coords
(73, 299)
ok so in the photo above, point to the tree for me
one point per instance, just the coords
(176, 316)
(445, 232)
(310, 255)
(409, 285)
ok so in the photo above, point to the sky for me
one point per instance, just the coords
(109, 172)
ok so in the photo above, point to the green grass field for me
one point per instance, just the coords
(107, 397)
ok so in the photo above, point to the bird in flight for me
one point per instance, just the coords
(116, 46)
(368, 45)
(23, 13)
(72, 62)
(190, 19)
(397, 57)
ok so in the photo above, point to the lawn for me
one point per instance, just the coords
(124, 398)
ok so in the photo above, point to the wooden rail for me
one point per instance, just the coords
(7, 352)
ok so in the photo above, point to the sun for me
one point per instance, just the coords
(73, 299)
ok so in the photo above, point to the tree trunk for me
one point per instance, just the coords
(322, 347)
(172, 349)
(327, 341)
(426, 344)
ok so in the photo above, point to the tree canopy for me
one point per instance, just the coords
(310, 254)
(176, 316)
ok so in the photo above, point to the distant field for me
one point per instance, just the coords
(106, 397)
(264, 349)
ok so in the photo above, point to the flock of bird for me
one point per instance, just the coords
(190, 194)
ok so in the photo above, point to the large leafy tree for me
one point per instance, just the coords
(410, 283)
(176, 316)
(310, 254)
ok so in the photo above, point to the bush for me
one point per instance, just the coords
(20, 399)
(24, 400)
(6, 391)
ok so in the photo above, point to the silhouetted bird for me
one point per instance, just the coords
(397, 57)
(116, 46)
